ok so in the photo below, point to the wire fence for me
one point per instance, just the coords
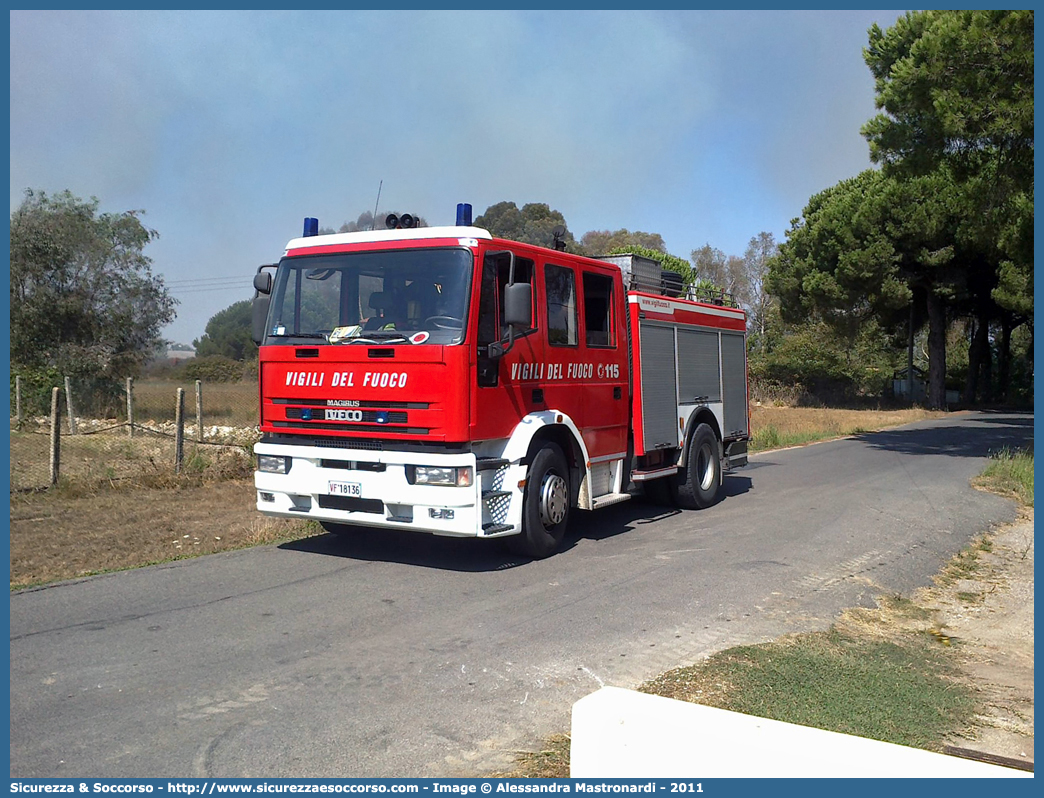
(166, 430)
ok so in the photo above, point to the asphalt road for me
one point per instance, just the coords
(409, 656)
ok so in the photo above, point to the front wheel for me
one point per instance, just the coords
(697, 487)
(545, 505)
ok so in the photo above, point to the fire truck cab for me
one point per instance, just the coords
(442, 380)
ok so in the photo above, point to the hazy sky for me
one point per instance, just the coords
(228, 128)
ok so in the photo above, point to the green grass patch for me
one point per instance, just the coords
(1009, 472)
(899, 692)
(964, 565)
(770, 437)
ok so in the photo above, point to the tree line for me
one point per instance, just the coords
(924, 261)
(941, 233)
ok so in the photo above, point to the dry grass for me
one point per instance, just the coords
(110, 457)
(63, 534)
(551, 762)
(224, 403)
(776, 427)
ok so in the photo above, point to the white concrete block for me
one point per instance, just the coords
(620, 733)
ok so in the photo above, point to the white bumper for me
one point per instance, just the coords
(385, 496)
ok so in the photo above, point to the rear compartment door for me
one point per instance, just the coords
(659, 386)
(734, 384)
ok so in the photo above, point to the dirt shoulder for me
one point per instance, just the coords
(989, 617)
(56, 535)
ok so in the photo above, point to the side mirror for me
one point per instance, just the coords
(518, 305)
(263, 282)
(259, 313)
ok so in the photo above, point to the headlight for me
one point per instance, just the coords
(439, 475)
(273, 464)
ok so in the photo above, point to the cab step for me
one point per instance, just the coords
(492, 529)
(610, 498)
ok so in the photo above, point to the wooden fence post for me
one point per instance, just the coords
(56, 433)
(130, 407)
(199, 411)
(18, 400)
(179, 431)
(69, 406)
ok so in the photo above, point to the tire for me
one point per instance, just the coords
(545, 505)
(700, 483)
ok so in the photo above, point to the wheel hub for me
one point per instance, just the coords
(704, 467)
(553, 500)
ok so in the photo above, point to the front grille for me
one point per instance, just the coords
(351, 465)
(338, 443)
(368, 416)
(351, 504)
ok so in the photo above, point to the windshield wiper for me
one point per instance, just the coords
(320, 336)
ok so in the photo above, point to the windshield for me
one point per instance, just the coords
(412, 296)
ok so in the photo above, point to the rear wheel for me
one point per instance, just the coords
(697, 487)
(545, 505)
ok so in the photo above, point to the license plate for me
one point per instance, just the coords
(346, 489)
(335, 414)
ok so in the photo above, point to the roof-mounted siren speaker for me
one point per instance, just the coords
(672, 283)
(311, 226)
(463, 214)
(393, 222)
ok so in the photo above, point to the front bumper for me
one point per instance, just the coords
(385, 498)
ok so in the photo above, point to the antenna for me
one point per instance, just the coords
(373, 224)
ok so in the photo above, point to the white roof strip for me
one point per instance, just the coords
(376, 236)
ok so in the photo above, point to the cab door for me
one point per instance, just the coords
(603, 353)
(506, 386)
(564, 372)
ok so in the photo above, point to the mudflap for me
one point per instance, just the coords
(735, 455)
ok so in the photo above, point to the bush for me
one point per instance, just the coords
(813, 360)
(213, 368)
(92, 395)
(250, 370)
(36, 388)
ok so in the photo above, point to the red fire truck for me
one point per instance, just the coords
(446, 381)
